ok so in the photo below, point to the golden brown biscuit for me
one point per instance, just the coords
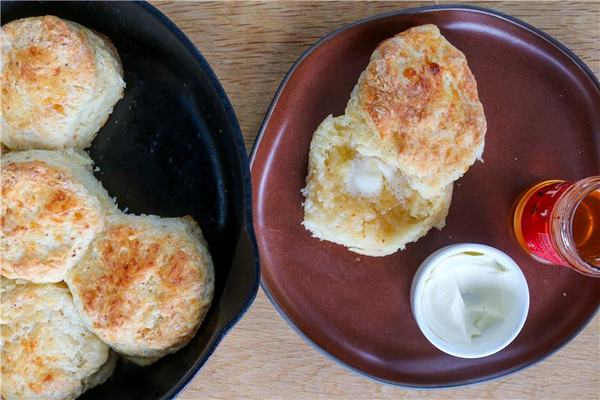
(360, 202)
(52, 208)
(381, 175)
(47, 353)
(145, 285)
(60, 82)
(419, 101)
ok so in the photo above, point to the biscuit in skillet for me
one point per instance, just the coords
(52, 208)
(47, 353)
(59, 83)
(145, 285)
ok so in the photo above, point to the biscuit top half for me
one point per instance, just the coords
(420, 98)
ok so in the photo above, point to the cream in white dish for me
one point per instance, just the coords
(470, 300)
(465, 294)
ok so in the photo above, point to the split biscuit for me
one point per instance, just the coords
(381, 175)
(358, 201)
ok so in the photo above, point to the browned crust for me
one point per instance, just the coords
(45, 65)
(133, 268)
(402, 93)
(43, 198)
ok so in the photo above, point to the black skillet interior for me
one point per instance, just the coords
(172, 147)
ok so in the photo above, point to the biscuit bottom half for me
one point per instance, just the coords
(355, 199)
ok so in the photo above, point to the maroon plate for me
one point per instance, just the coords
(543, 111)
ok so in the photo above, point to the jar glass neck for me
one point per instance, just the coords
(563, 218)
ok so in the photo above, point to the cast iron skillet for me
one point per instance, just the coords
(172, 147)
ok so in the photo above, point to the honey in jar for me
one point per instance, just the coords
(558, 222)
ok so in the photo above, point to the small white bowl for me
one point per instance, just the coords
(495, 338)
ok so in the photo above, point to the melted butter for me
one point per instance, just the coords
(368, 175)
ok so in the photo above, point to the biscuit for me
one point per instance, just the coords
(381, 175)
(145, 285)
(52, 208)
(60, 82)
(46, 350)
(421, 112)
(375, 219)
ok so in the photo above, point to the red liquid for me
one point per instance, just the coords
(531, 221)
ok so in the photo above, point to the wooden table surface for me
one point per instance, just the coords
(251, 45)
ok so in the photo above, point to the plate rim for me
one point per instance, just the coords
(246, 181)
(414, 10)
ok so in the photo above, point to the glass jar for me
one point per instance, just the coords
(558, 222)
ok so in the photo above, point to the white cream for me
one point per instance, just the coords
(465, 295)
(367, 176)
